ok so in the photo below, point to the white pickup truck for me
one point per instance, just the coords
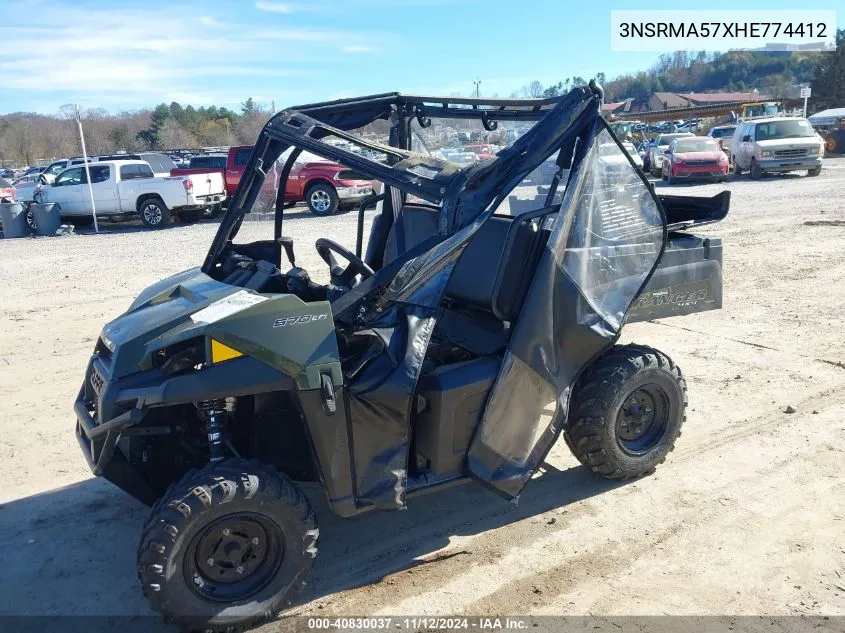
(125, 187)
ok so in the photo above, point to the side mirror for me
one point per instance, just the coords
(746, 138)
(668, 152)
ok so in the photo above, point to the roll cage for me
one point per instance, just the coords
(460, 192)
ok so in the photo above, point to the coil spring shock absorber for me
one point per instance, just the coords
(214, 415)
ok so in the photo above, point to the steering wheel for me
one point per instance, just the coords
(341, 276)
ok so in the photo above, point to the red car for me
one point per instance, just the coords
(7, 191)
(695, 157)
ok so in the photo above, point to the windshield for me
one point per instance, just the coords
(792, 128)
(665, 139)
(696, 145)
(719, 132)
(56, 168)
(466, 142)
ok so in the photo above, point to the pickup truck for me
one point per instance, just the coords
(161, 164)
(323, 185)
(127, 187)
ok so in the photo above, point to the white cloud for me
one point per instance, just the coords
(276, 7)
(117, 55)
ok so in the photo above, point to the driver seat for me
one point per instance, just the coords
(490, 280)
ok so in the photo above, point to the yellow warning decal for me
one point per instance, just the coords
(220, 352)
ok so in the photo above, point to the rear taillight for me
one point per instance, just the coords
(189, 185)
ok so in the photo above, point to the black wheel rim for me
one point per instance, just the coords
(234, 557)
(643, 419)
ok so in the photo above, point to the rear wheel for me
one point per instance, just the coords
(737, 168)
(154, 213)
(831, 145)
(227, 547)
(627, 411)
(322, 199)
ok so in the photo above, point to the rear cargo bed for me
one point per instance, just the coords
(688, 279)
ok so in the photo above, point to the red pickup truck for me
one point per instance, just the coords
(323, 185)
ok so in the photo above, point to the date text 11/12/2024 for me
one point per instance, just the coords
(418, 623)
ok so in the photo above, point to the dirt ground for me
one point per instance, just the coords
(747, 516)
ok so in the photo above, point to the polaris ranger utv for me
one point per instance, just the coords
(479, 325)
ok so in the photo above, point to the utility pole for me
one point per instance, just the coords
(87, 169)
(477, 83)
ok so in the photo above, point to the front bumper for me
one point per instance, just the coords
(780, 165)
(99, 421)
(357, 192)
(704, 172)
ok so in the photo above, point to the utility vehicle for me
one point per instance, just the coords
(479, 325)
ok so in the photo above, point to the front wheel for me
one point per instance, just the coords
(227, 547)
(154, 213)
(627, 411)
(322, 199)
(756, 170)
(815, 171)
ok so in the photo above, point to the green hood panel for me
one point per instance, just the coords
(278, 329)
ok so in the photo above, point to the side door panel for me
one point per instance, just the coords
(607, 239)
(104, 190)
(66, 190)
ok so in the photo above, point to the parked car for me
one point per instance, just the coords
(661, 144)
(32, 171)
(695, 157)
(7, 191)
(129, 187)
(25, 187)
(632, 152)
(777, 145)
(724, 136)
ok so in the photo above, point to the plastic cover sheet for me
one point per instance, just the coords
(605, 242)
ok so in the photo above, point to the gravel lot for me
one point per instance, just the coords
(746, 517)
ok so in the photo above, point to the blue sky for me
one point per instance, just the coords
(120, 55)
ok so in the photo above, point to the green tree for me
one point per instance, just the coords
(829, 80)
(248, 107)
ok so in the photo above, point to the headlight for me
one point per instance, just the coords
(676, 159)
(765, 154)
(723, 158)
(814, 150)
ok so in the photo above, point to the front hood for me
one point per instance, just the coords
(164, 307)
(699, 156)
(790, 143)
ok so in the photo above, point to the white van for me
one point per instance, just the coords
(777, 145)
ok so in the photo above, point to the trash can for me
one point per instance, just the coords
(47, 218)
(13, 219)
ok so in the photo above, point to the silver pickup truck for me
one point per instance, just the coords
(128, 187)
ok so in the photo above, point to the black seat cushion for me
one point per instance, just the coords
(484, 260)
